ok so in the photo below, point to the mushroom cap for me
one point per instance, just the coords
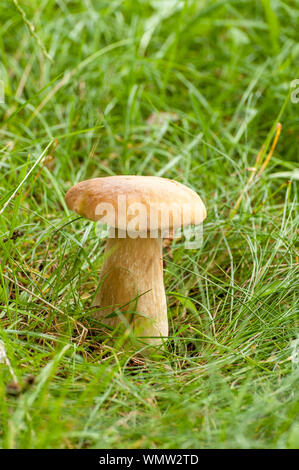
(146, 202)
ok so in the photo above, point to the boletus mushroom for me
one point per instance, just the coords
(140, 211)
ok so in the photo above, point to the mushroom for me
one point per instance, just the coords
(139, 210)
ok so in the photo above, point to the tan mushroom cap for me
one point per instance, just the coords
(146, 202)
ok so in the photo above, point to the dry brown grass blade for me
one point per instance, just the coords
(254, 171)
(267, 159)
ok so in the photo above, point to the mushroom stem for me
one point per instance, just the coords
(131, 280)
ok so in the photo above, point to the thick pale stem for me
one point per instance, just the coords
(131, 283)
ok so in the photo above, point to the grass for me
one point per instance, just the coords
(81, 79)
